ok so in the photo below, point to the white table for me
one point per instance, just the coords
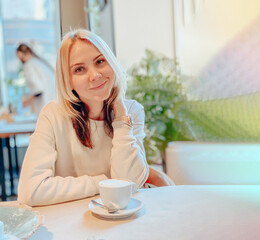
(16, 128)
(180, 212)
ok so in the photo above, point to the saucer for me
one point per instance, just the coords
(133, 206)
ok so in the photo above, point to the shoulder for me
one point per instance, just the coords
(36, 63)
(133, 106)
(52, 105)
(53, 110)
(31, 65)
(51, 118)
(33, 61)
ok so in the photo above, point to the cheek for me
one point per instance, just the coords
(113, 78)
(72, 82)
(109, 73)
(76, 83)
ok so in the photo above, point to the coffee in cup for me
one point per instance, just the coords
(116, 193)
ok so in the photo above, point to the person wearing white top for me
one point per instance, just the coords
(39, 77)
(90, 133)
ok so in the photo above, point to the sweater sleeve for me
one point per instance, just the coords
(128, 159)
(38, 184)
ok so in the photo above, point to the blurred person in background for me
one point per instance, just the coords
(39, 76)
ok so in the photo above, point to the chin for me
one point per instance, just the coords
(101, 98)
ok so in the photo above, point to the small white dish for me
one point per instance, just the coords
(133, 206)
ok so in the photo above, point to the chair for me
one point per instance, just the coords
(158, 179)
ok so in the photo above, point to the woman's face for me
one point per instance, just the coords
(21, 56)
(90, 74)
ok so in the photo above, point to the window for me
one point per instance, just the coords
(34, 22)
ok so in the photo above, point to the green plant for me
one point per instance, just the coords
(155, 83)
(93, 11)
(16, 88)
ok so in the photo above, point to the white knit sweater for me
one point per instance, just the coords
(58, 168)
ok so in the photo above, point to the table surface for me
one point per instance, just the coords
(177, 212)
(15, 128)
(20, 125)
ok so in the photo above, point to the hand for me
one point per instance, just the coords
(119, 108)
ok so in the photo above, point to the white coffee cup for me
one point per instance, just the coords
(116, 193)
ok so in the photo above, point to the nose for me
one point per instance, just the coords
(94, 75)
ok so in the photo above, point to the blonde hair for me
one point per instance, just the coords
(69, 99)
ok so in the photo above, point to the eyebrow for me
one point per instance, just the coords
(80, 63)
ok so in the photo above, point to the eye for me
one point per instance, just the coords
(100, 61)
(79, 69)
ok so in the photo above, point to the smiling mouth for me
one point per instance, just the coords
(98, 87)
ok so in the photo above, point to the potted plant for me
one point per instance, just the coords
(155, 83)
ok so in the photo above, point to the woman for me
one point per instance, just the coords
(39, 76)
(89, 134)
